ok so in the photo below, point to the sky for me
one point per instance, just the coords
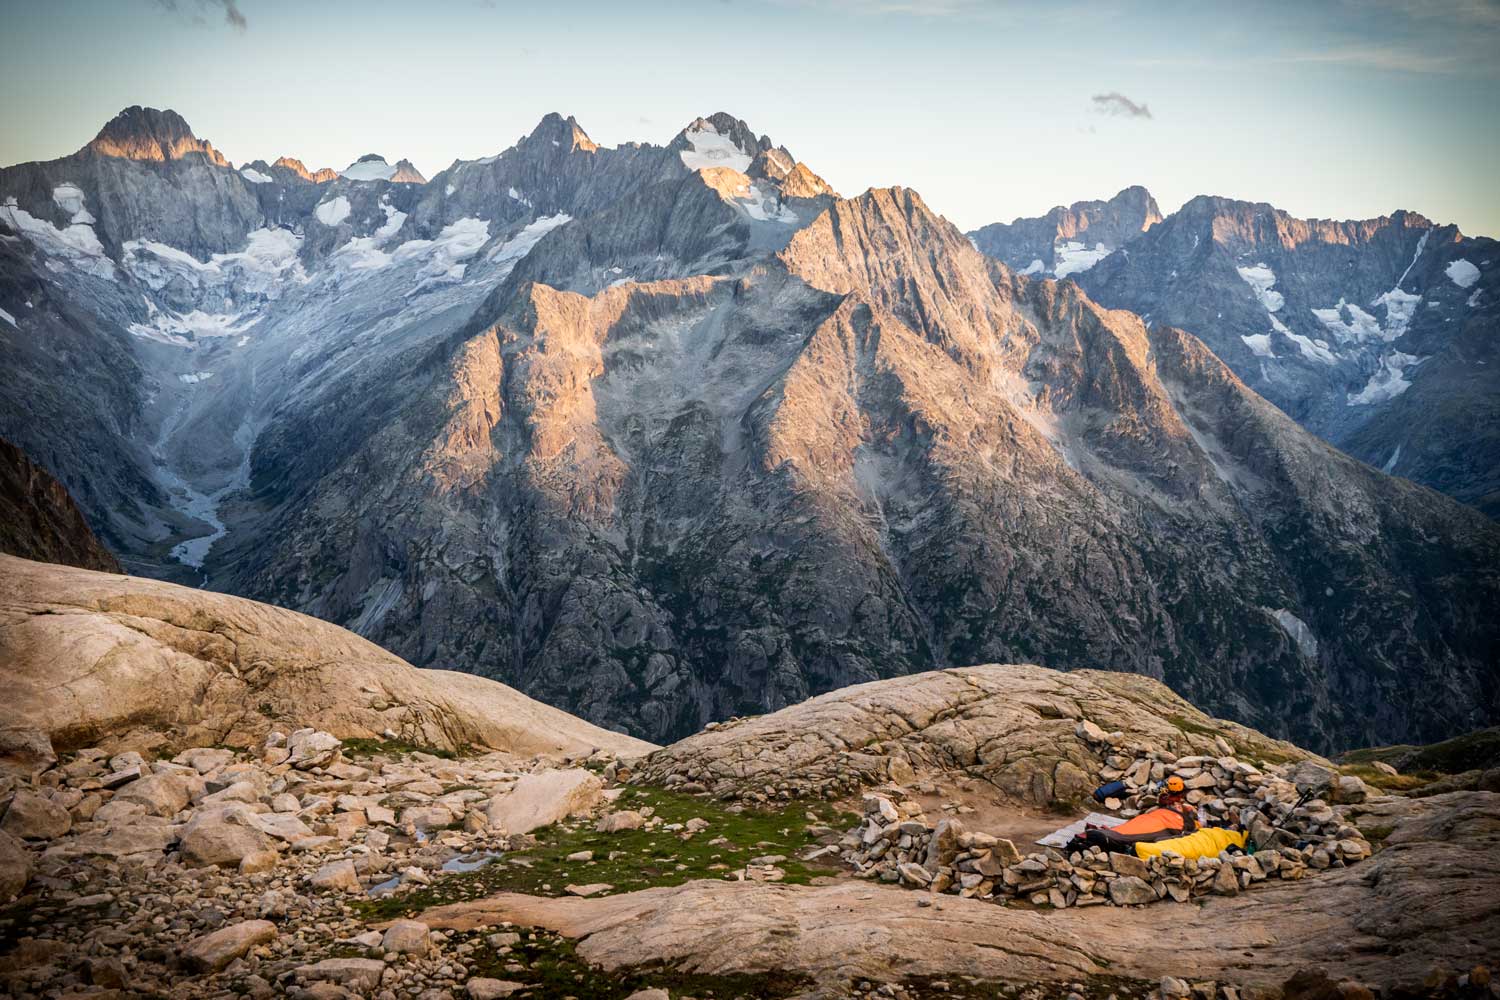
(991, 110)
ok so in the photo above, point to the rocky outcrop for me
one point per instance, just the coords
(1390, 920)
(90, 656)
(39, 521)
(1035, 735)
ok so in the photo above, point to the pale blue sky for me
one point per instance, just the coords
(1345, 110)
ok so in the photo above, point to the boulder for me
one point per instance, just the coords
(213, 951)
(480, 988)
(541, 798)
(117, 840)
(336, 876)
(359, 974)
(215, 841)
(159, 794)
(406, 937)
(15, 867)
(617, 822)
(309, 748)
(35, 817)
(1129, 864)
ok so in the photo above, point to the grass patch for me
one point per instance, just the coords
(1187, 725)
(1377, 778)
(361, 747)
(1478, 750)
(643, 858)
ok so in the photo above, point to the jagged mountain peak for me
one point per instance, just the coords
(561, 132)
(722, 140)
(296, 166)
(139, 133)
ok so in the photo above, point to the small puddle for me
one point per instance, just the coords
(470, 862)
(389, 885)
(458, 863)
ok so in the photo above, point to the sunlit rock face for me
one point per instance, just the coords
(663, 434)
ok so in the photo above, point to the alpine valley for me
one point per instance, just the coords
(661, 435)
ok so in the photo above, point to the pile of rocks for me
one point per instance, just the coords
(896, 843)
(150, 875)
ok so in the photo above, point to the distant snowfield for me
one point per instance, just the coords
(333, 211)
(1262, 280)
(368, 170)
(1075, 258)
(254, 176)
(75, 245)
(1462, 273)
(1388, 382)
(710, 149)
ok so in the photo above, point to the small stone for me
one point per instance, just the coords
(581, 856)
(619, 822)
(212, 952)
(592, 889)
(492, 989)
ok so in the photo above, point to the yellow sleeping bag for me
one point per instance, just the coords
(1206, 843)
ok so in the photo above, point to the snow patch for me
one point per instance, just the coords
(1075, 258)
(1462, 273)
(761, 203)
(1035, 267)
(76, 245)
(1349, 323)
(368, 170)
(1399, 307)
(1261, 280)
(332, 212)
(9, 319)
(520, 245)
(1390, 463)
(254, 176)
(193, 378)
(444, 257)
(1388, 382)
(1259, 344)
(710, 149)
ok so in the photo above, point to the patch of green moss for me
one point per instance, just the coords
(1472, 751)
(1377, 778)
(1187, 725)
(639, 859)
(363, 747)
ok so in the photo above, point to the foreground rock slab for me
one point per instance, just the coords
(89, 653)
(972, 717)
(1427, 900)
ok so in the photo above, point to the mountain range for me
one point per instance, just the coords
(666, 434)
(1377, 335)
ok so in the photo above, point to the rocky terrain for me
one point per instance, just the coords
(667, 434)
(546, 862)
(1376, 334)
(38, 519)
